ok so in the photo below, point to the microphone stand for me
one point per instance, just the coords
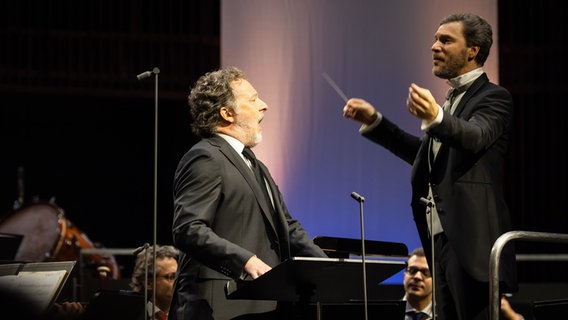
(142, 76)
(135, 253)
(430, 215)
(360, 199)
(20, 202)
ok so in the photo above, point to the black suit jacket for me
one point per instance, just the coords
(466, 177)
(221, 220)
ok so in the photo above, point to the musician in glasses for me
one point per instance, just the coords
(166, 266)
(418, 287)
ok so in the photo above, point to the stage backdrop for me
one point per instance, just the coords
(372, 50)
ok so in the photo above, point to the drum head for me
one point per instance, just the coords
(39, 226)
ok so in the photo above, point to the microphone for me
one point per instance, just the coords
(148, 74)
(357, 196)
(144, 75)
(140, 249)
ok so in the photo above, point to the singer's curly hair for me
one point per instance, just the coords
(211, 92)
(146, 258)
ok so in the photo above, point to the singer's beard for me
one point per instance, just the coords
(250, 136)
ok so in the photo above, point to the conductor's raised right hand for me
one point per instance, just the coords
(360, 110)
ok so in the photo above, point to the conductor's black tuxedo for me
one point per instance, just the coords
(221, 220)
(466, 176)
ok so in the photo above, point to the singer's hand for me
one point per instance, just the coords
(360, 110)
(508, 312)
(256, 267)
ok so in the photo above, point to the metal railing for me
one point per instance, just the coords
(496, 254)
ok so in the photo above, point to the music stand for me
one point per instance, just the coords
(550, 309)
(38, 283)
(115, 304)
(10, 243)
(308, 280)
(336, 247)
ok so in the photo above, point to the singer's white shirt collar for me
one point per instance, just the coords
(236, 144)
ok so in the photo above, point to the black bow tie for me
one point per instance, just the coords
(454, 92)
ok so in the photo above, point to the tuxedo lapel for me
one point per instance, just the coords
(475, 86)
(420, 165)
(460, 112)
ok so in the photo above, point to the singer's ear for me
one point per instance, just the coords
(227, 114)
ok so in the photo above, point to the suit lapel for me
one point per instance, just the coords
(278, 221)
(247, 174)
(273, 212)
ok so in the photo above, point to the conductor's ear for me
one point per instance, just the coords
(472, 52)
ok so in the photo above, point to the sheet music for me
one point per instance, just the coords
(37, 286)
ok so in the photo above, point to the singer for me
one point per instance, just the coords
(230, 220)
(457, 167)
